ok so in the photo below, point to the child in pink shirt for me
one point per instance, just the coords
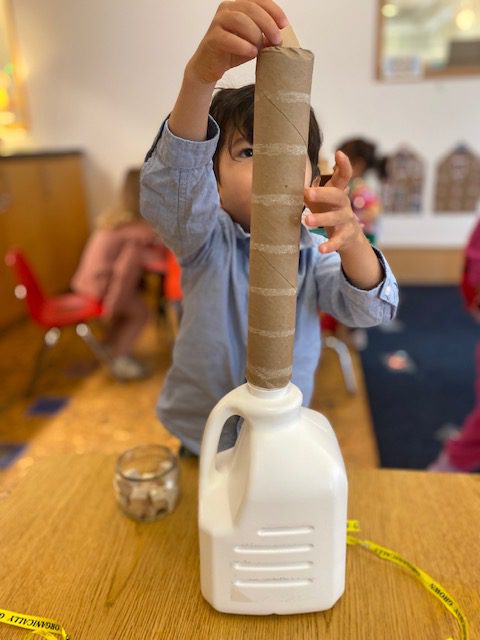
(111, 269)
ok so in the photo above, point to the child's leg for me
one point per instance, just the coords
(464, 450)
(126, 328)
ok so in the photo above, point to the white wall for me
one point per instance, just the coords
(103, 73)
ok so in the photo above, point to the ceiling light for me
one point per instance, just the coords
(465, 19)
(389, 10)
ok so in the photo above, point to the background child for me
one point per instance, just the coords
(196, 191)
(366, 202)
(111, 269)
(462, 452)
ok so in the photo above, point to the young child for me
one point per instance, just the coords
(111, 268)
(196, 189)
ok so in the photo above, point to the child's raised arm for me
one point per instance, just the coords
(239, 30)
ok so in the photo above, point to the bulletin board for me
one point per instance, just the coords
(457, 187)
(403, 185)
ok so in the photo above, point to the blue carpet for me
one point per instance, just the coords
(409, 406)
(47, 406)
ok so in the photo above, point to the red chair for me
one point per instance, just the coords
(173, 292)
(163, 262)
(54, 312)
(329, 326)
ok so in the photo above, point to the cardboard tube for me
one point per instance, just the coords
(289, 38)
(281, 123)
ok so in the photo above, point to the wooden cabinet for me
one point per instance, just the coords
(42, 212)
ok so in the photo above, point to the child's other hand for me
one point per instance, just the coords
(239, 30)
(330, 208)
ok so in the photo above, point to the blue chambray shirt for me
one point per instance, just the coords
(179, 198)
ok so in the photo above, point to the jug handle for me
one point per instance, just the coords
(223, 410)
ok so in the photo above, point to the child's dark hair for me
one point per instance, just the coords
(232, 109)
(361, 149)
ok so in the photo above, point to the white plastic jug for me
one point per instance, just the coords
(273, 509)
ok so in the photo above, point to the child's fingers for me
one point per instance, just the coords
(327, 247)
(236, 23)
(321, 199)
(274, 11)
(328, 219)
(334, 242)
(342, 172)
(258, 17)
(236, 46)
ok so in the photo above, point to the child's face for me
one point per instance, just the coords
(235, 179)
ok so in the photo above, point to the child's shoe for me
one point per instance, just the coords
(126, 368)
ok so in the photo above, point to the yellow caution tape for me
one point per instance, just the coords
(36, 626)
(353, 526)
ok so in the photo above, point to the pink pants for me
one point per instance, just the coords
(464, 450)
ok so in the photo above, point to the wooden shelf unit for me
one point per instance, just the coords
(43, 212)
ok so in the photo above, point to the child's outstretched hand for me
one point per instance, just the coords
(239, 30)
(330, 208)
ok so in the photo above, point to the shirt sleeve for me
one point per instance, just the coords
(352, 306)
(179, 195)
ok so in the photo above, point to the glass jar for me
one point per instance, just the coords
(147, 482)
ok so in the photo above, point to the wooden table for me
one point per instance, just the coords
(68, 553)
